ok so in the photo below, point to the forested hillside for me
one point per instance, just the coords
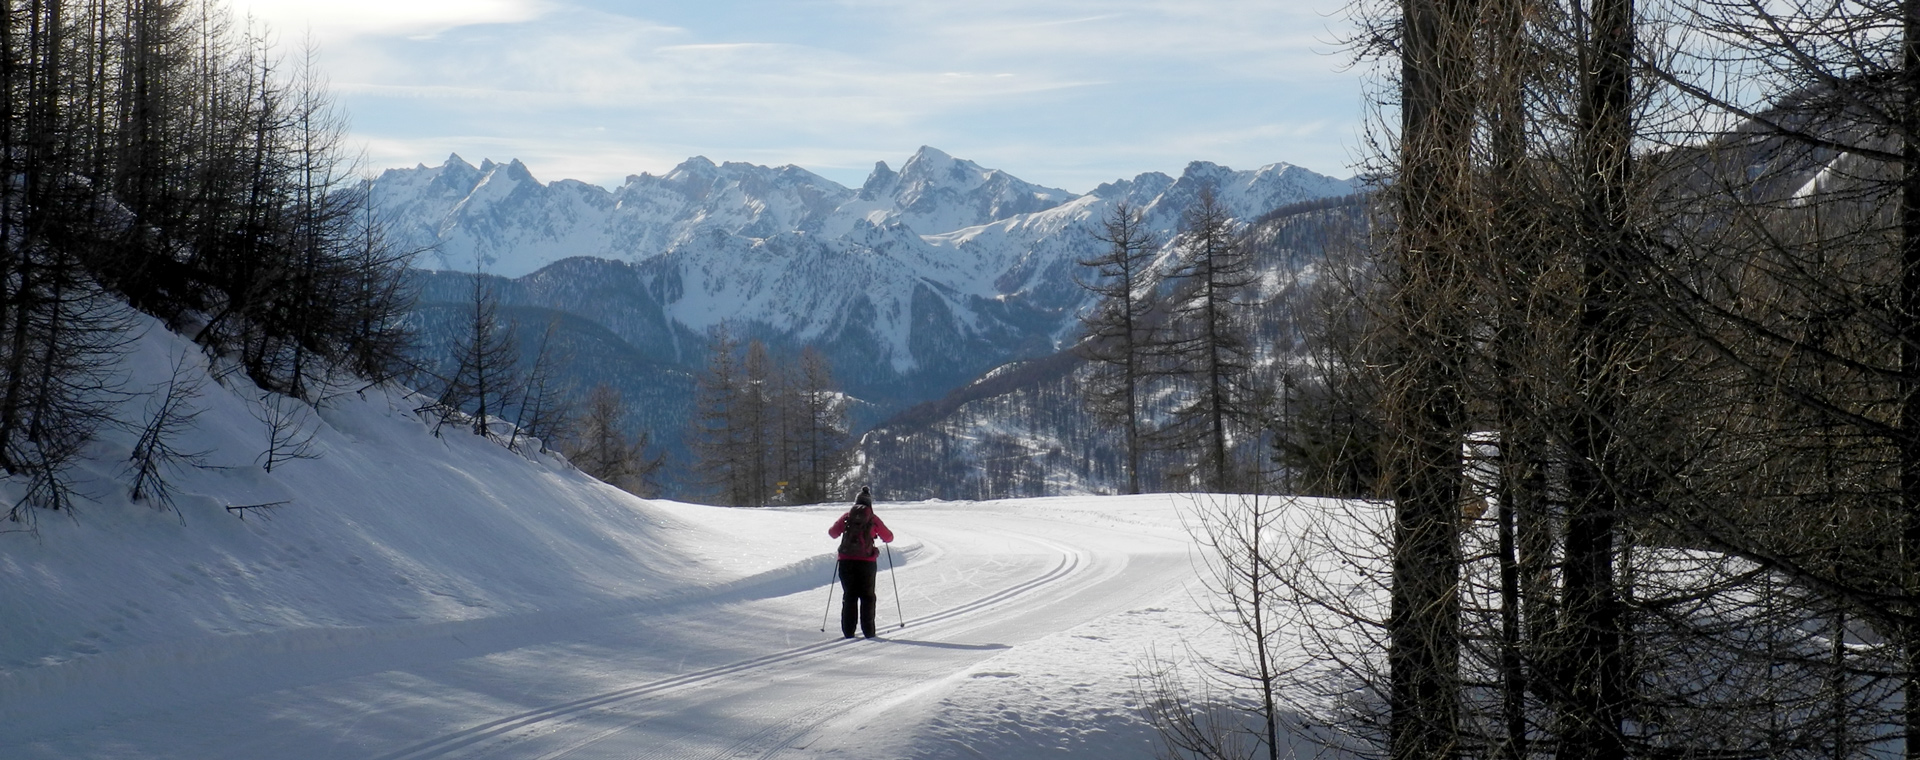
(155, 152)
(1037, 427)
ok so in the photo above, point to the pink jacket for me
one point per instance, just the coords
(879, 529)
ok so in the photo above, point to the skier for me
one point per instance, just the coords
(859, 562)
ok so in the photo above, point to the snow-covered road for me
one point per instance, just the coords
(421, 593)
(1023, 621)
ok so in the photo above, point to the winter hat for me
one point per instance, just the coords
(865, 497)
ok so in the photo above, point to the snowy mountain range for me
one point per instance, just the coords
(912, 284)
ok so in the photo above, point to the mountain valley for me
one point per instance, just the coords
(913, 285)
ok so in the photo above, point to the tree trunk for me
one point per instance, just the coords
(1591, 719)
(1907, 318)
(1425, 402)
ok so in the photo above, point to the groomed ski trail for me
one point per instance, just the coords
(728, 670)
(553, 718)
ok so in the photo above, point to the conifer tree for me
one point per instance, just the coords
(1120, 334)
(716, 439)
(484, 382)
(757, 422)
(819, 419)
(603, 448)
(1207, 348)
(1424, 347)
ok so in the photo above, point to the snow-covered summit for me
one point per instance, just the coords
(935, 192)
(1246, 194)
(499, 218)
(943, 266)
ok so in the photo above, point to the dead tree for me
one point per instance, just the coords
(290, 427)
(544, 411)
(155, 452)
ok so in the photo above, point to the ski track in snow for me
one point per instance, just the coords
(977, 581)
(797, 657)
(439, 596)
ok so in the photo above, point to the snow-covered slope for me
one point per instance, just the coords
(417, 596)
(921, 279)
(386, 533)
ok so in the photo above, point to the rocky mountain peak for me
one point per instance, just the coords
(929, 163)
(696, 167)
(518, 172)
(880, 183)
(456, 175)
(931, 170)
(937, 193)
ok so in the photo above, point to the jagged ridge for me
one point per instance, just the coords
(914, 284)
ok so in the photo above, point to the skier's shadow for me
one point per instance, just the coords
(946, 645)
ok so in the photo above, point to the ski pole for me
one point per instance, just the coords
(896, 586)
(829, 609)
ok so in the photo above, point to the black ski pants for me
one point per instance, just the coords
(857, 578)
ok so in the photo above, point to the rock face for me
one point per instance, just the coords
(913, 284)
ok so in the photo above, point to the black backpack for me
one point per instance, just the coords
(858, 540)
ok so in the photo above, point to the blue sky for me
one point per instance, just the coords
(1066, 93)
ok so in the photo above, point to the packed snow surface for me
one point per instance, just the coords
(1024, 622)
(420, 596)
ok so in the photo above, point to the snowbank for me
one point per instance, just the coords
(388, 535)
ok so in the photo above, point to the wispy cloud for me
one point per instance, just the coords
(340, 20)
(576, 88)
